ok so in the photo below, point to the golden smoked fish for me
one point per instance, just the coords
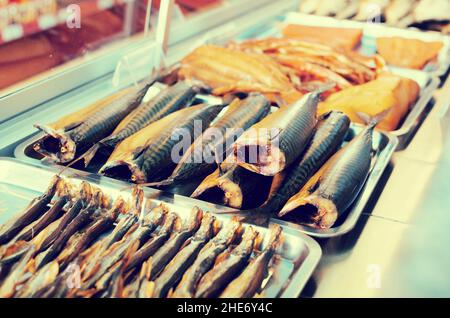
(147, 155)
(230, 71)
(335, 186)
(271, 145)
(250, 280)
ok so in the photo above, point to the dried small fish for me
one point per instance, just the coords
(34, 210)
(335, 186)
(205, 260)
(250, 280)
(163, 256)
(149, 248)
(271, 145)
(222, 273)
(184, 258)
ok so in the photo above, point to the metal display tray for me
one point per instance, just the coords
(384, 144)
(298, 256)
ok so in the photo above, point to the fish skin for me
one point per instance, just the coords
(228, 71)
(72, 212)
(152, 161)
(169, 100)
(184, 258)
(235, 183)
(136, 143)
(328, 136)
(250, 280)
(137, 234)
(149, 248)
(82, 135)
(163, 256)
(50, 216)
(221, 274)
(291, 127)
(103, 223)
(32, 212)
(240, 115)
(205, 260)
(336, 185)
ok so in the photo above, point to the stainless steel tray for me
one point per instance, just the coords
(299, 255)
(384, 143)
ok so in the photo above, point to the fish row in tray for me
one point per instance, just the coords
(75, 241)
(289, 162)
(291, 168)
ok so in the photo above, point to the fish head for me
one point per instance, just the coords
(313, 210)
(156, 215)
(206, 227)
(229, 232)
(194, 219)
(259, 151)
(124, 170)
(247, 242)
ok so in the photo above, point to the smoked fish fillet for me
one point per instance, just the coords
(388, 91)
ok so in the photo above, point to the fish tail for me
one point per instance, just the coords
(259, 215)
(372, 121)
(87, 157)
(208, 183)
(90, 154)
(108, 143)
(48, 130)
(166, 182)
(323, 88)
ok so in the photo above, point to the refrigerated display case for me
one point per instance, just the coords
(52, 55)
(362, 260)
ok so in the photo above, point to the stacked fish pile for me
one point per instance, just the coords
(280, 68)
(314, 179)
(284, 69)
(284, 163)
(73, 241)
